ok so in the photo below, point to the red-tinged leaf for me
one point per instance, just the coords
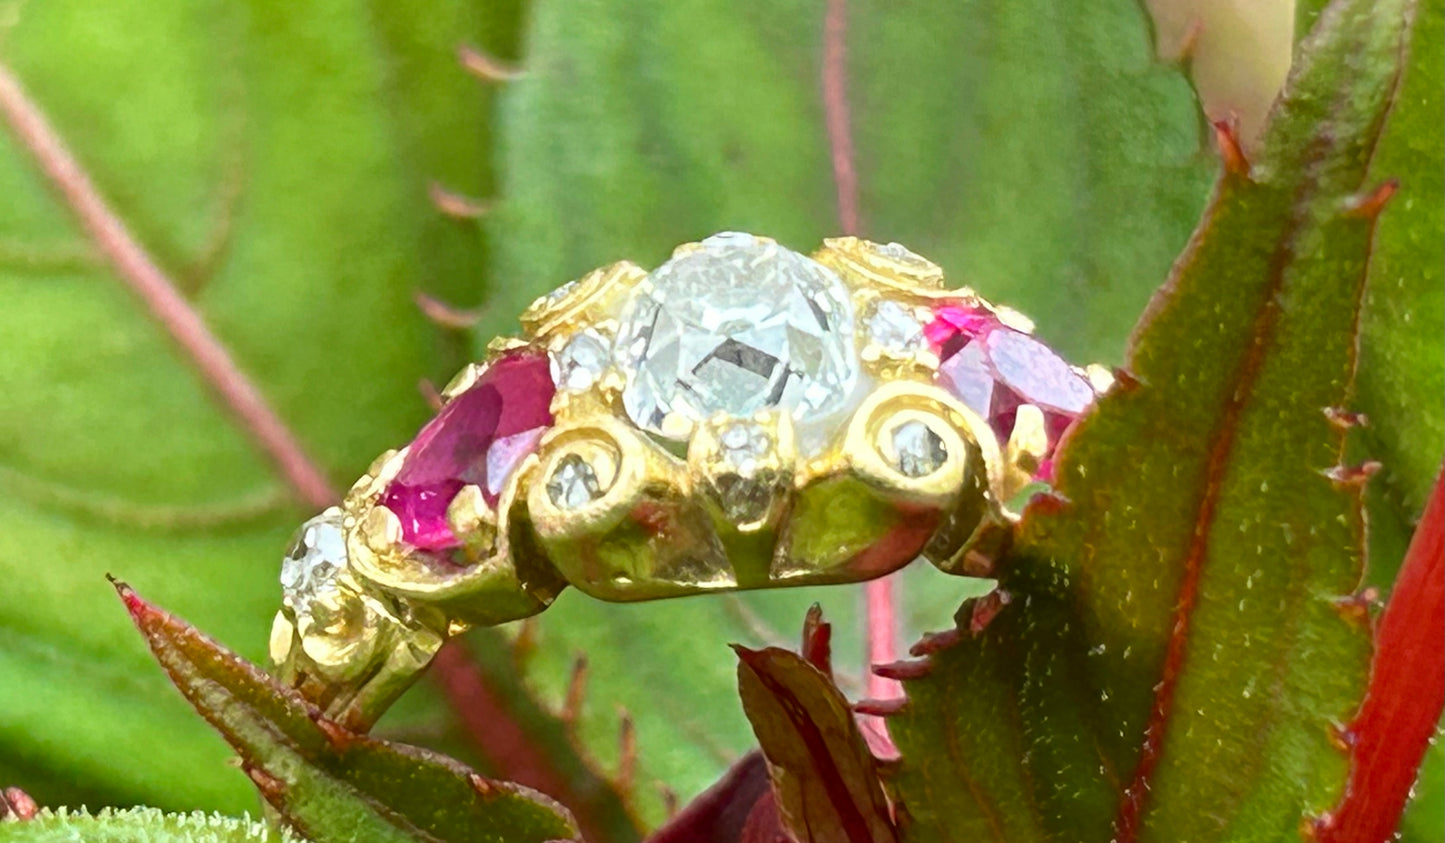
(1181, 636)
(325, 782)
(824, 778)
(738, 809)
(1388, 737)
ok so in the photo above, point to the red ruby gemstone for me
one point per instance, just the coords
(478, 438)
(993, 369)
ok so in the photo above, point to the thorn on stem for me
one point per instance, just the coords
(1356, 608)
(669, 801)
(936, 642)
(482, 785)
(444, 314)
(627, 757)
(1342, 737)
(576, 691)
(270, 786)
(905, 670)
(336, 734)
(525, 644)
(1345, 419)
(1369, 205)
(17, 806)
(881, 708)
(1231, 153)
(986, 608)
(1125, 380)
(485, 67)
(1352, 476)
(454, 204)
(430, 394)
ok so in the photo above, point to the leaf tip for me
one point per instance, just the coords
(817, 646)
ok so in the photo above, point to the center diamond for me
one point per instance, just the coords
(734, 327)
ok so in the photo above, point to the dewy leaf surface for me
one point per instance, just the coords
(1046, 159)
(139, 825)
(330, 785)
(1181, 636)
(274, 159)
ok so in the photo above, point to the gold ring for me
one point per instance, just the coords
(744, 416)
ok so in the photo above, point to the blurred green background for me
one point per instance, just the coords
(275, 159)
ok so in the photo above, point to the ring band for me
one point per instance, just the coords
(741, 417)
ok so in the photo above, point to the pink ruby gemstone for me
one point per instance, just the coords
(478, 438)
(993, 369)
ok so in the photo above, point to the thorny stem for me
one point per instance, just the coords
(1394, 727)
(882, 633)
(160, 294)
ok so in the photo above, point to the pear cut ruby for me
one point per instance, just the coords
(993, 369)
(478, 438)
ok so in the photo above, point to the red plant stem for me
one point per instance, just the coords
(161, 296)
(835, 110)
(879, 598)
(1406, 695)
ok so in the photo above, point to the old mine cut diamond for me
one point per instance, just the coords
(317, 555)
(734, 326)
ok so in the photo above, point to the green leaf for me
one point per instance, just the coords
(274, 158)
(330, 784)
(825, 778)
(1180, 637)
(138, 825)
(1047, 160)
(1403, 323)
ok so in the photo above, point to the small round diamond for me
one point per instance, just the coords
(894, 327)
(743, 444)
(573, 483)
(918, 450)
(902, 254)
(581, 361)
(316, 557)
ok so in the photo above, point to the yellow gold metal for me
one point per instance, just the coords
(725, 503)
(875, 266)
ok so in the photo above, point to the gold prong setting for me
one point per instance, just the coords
(742, 417)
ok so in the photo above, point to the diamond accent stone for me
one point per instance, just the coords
(918, 450)
(316, 557)
(735, 326)
(573, 483)
(581, 361)
(902, 254)
(743, 444)
(479, 438)
(893, 326)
